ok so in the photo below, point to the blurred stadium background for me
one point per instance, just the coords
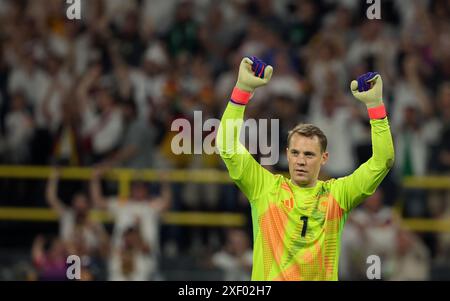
(96, 98)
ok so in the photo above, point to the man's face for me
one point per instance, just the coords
(139, 191)
(305, 159)
(80, 204)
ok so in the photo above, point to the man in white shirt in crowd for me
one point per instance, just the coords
(141, 210)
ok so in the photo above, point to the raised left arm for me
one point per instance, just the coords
(351, 190)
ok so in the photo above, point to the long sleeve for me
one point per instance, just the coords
(249, 175)
(351, 190)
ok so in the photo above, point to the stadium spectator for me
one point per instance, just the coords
(235, 259)
(49, 262)
(67, 148)
(370, 230)
(137, 142)
(411, 262)
(331, 113)
(140, 209)
(18, 131)
(132, 260)
(101, 132)
(77, 228)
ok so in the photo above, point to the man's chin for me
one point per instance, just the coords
(301, 181)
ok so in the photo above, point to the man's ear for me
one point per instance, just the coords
(324, 158)
(287, 152)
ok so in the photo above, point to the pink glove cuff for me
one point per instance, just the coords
(377, 112)
(240, 97)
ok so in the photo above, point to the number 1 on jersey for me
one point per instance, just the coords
(305, 225)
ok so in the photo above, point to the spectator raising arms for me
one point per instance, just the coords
(141, 210)
(76, 225)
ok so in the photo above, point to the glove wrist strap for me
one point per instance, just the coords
(239, 96)
(378, 112)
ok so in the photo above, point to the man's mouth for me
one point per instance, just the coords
(301, 171)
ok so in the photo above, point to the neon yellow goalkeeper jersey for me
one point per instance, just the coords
(296, 231)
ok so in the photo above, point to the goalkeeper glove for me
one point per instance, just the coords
(253, 73)
(369, 90)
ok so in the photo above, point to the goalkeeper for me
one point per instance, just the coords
(297, 222)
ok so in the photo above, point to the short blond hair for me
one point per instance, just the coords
(309, 130)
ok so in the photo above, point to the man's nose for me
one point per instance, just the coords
(301, 160)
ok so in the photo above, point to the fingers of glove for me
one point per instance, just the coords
(247, 63)
(364, 81)
(255, 66)
(355, 89)
(260, 70)
(259, 67)
(247, 60)
(374, 76)
(354, 86)
(267, 73)
(255, 61)
(362, 86)
(376, 79)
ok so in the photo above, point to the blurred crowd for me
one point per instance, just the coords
(103, 91)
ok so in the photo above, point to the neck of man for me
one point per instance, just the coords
(305, 185)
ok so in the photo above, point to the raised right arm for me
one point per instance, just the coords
(251, 178)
